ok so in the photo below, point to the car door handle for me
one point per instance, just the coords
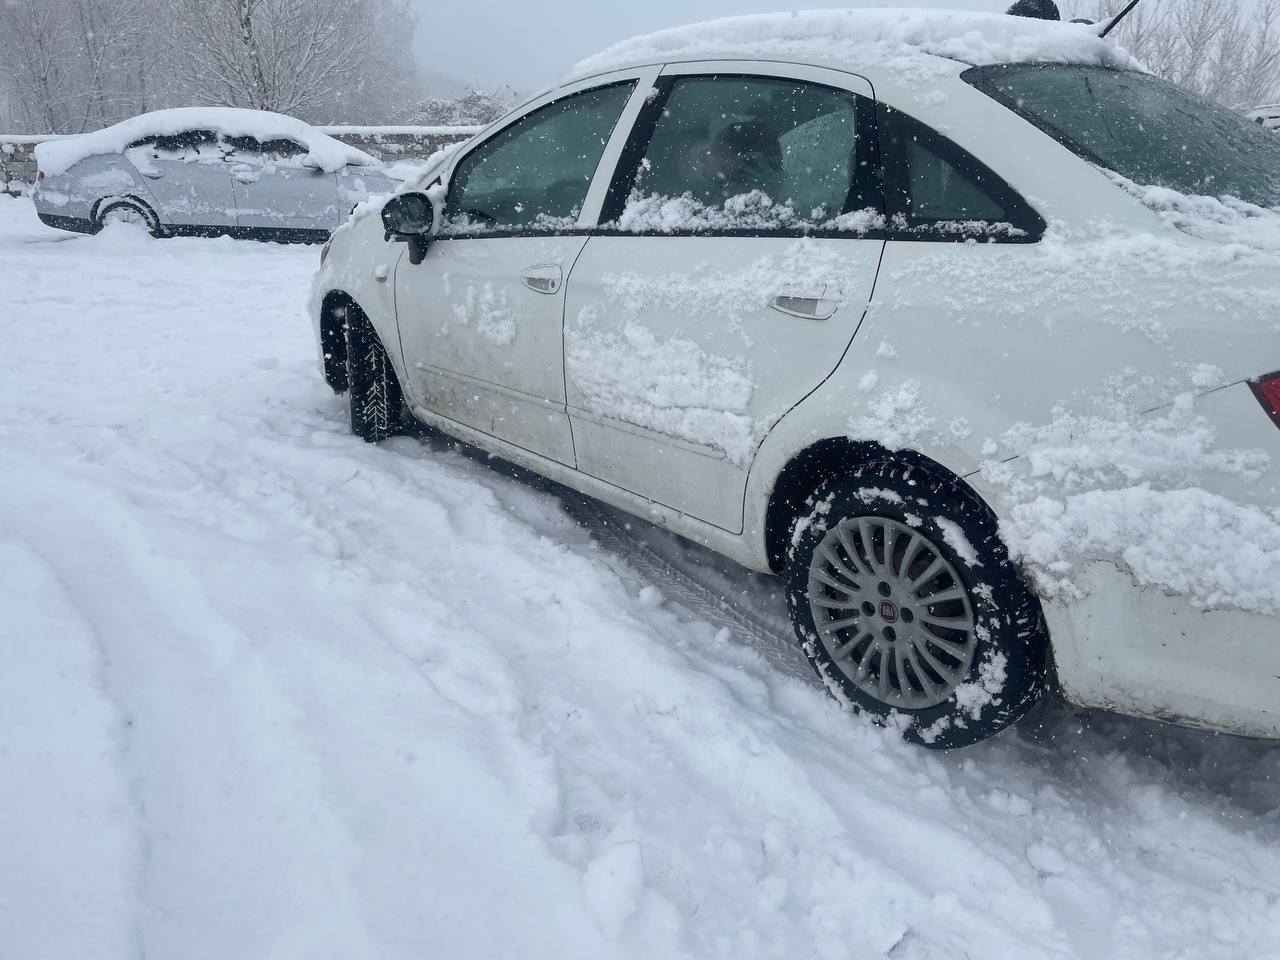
(806, 307)
(151, 174)
(543, 278)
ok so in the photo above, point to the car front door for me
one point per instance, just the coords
(735, 262)
(481, 317)
(275, 190)
(188, 178)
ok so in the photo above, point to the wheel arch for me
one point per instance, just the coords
(823, 460)
(126, 197)
(335, 308)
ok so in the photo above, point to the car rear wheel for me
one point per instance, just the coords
(907, 605)
(128, 211)
(373, 390)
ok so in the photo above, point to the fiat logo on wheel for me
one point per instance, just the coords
(888, 611)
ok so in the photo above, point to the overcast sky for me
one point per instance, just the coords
(531, 44)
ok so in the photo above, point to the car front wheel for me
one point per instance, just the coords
(907, 605)
(374, 391)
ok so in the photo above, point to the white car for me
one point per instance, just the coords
(205, 171)
(938, 316)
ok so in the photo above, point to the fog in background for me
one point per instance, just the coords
(490, 44)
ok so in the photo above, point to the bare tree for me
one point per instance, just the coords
(474, 108)
(302, 57)
(1226, 50)
(69, 65)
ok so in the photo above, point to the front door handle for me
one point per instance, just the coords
(543, 278)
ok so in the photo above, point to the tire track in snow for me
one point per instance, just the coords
(750, 621)
(196, 697)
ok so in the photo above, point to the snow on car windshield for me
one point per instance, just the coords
(910, 41)
(1147, 130)
(58, 156)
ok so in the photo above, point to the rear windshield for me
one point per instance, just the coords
(1143, 128)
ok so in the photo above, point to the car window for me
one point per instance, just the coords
(1146, 129)
(535, 174)
(936, 189)
(187, 140)
(279, 148)
(749, 153)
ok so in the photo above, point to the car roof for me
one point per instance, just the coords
(918, 44)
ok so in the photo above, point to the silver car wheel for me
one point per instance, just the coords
(891, 612)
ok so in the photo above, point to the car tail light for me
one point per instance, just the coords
(1267, 390)
(39, 175)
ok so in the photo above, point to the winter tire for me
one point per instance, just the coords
(374, 391)
(128, 211)
(907, 604)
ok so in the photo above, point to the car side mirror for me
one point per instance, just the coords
(410, 217)
(309, 162)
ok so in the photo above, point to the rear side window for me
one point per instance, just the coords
(936, 190)
(277, 149)
(535, 174)
(750, 153)
(939, 190)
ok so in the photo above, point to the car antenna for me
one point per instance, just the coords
(1111, 25)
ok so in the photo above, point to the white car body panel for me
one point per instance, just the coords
(481, 345)
(958, 318)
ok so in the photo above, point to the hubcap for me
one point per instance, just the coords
(892, 612)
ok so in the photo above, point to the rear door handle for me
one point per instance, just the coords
(807, 306)
(543, 278)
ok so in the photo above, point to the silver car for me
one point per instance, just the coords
(205, 172)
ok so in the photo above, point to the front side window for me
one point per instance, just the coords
(535, 174)
(751, 153)
(189, 146)
(1146, 129)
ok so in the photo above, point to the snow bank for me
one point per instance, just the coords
(58, 156)
(269, 691)
(910, 41)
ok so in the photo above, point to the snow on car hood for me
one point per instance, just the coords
(58, 156)
(906, 39)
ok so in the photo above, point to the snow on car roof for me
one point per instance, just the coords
(58, 156)
(907, 40)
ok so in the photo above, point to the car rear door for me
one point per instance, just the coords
(481, 317)
(739, 249)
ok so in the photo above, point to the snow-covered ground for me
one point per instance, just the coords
(267, 691)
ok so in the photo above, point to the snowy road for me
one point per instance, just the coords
(269, 692)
